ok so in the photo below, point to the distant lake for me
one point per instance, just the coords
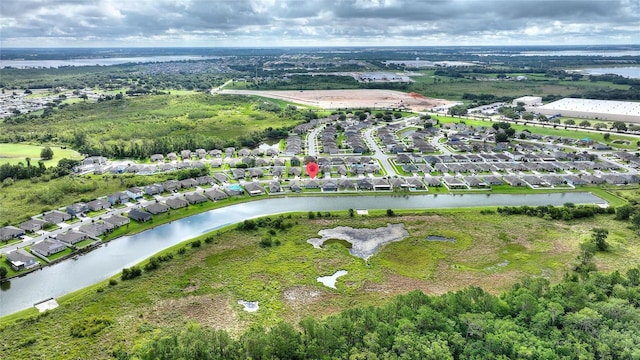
(632, 72)
(24, 64)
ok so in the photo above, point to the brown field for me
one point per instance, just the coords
(342, 99)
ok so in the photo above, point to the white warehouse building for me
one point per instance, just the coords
(528, 101)
(592, 109)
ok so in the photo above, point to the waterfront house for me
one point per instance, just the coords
(196, 198)
(71, 237)
(157, 208)
(176, 202)
(139, 215)
(117, 220)
(48, 247)
(20, 260)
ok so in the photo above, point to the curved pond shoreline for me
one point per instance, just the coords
(106, 261)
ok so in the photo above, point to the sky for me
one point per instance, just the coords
(272, 23)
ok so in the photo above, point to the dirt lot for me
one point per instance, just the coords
(341, 99)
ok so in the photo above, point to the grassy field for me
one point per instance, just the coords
(152, 117)
(204, 283)
(454, 88)
(15, 153)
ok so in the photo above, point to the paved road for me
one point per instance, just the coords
(312, 138)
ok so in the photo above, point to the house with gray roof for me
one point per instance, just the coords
(274, 187)
(254, 188)
(157, 208)
(98, 204)
(176, 202)
(55, 217)
(238, 174)
(33, 225)
(134, 193)
(116, 220)
(71, 237)
(139, 215)
(20, 260)
(153, 189)
(10, 232)
(97, 228)
(77, 209)
(195, 198)
(216, 194)
(118, 198)
(48, 247)
(188, 183)
(294, 185)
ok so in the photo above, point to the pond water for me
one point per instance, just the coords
(108, 260)
(632, 72)
(22, 64)
(249, 306)
(330, 281)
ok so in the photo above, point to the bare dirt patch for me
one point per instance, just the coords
(357, 98)
(214, 311)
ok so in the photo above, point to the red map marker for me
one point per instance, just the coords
(312, 169)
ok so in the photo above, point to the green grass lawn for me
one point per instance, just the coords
(60, 254)
(83, 243)
(15, 153)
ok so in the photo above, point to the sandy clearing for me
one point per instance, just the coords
(354, 98)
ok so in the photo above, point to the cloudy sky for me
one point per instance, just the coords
(118, 23)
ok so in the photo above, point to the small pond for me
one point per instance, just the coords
(330, 281)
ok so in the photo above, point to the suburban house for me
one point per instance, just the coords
(204, 180)
(171, 185)
(139, 215)
(55, 217)
(254, 188)
(97, 229)
(98, 204)
(157, 208)
(33, 225)
(216, 194)
(188, 183)
(274, 187)
(134, 193)
(20, 260)
(196, 198)
(116, 220)
(153, 189)
(118, 198)
(77, 209)
(71, 237)
(10, 232)
(176, 202)
(48, 247)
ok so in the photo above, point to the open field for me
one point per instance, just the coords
(353, 98)
(15, 153)
(152, 119)
(204, 284)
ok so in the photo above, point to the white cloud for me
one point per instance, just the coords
(317, 22)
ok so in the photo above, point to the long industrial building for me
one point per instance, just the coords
(592, 109)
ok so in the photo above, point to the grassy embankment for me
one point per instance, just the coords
(204, 284)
